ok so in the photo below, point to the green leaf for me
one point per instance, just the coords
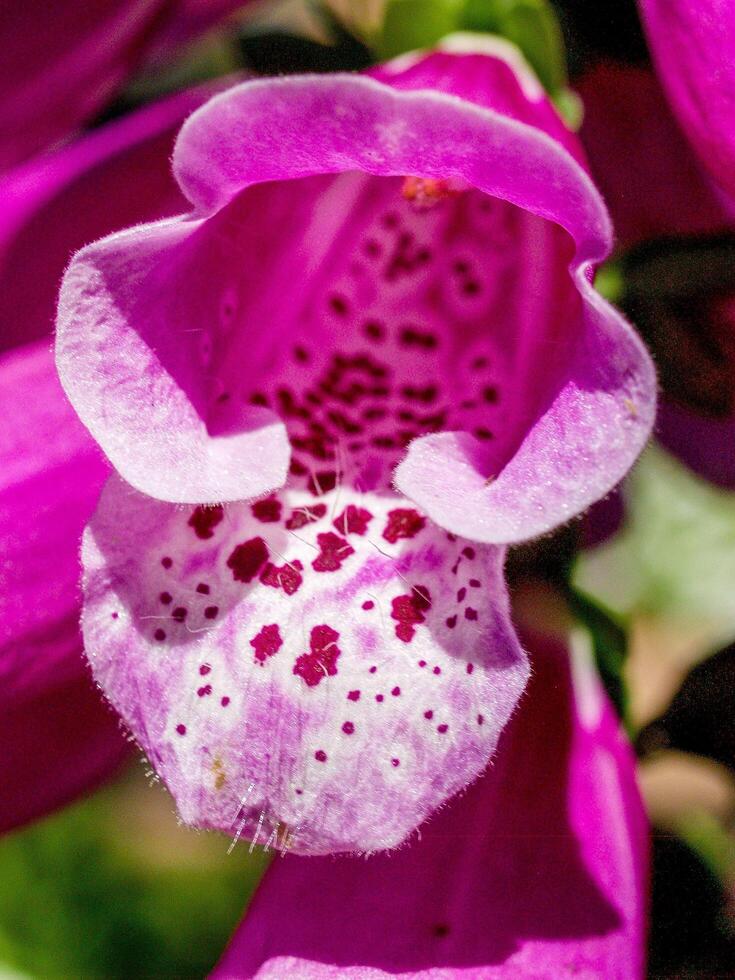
(675, 557)
(609, 645)
(412, 24)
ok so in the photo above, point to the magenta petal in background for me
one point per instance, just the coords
(119, 174)
(582, 395)
(692, 43)
(538, 871)
(63, 62)
(58, 737)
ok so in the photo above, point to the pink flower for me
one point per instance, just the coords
(668, 196)
(539, 870)
(63, 62)
(692, 42)
(369, 359)
(58, 736)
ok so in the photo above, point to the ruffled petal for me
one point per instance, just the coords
(539, 870)
(58, 736)
(119, 174)
(322, 666)
(176, 310)
(691, 42)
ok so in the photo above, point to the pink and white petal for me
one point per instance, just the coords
(58, 736)
(327, 668)
(119, 174)
(221, 152)
(537, 871)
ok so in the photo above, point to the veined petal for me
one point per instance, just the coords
(538, 871)
(58, 736)
(323, 666)
(164, 330)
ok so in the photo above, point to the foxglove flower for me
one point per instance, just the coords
(368, 359)
(692, 42)
(669, 197)
(539, 870)
(59, 738)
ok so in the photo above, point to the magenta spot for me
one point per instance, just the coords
(203, 588)
(205, 669)
(395, 762)
(469, 553)
(287, 577)
(408, 611)
(211, 612)
(353, 696)
(160, 635)
(333, 550)
(181, 729)
(353, 520)
(475, 583)
(437, 670)
(429, 715)
(166, 598)
(305, 515)
(205, 691)
(396, 692)
(267, 642)
(379, 697)
(115, 615)
(205, 519)
(470, 613)
(247, 559)
(470, 668)
(321, 662)
(179, 614)
(442, 729)
(368, 604)
(461, 594)
(348, 728)
(422, 663)
(225, 701)
(451, 622)
(403, 523)
(440, 930)
(167, 562)
(338, 304)
(322, 482)
(373, 669)
(480, 720)
(320, 755)
(267, 511)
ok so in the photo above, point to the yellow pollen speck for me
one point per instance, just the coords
(219, 774)
(631, 407)
(426, 192)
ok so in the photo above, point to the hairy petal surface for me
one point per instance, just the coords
(323, 668)
(539, 870)
(58, 736)
(169, 323)
(691, 42)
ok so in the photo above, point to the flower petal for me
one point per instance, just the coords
(164, 299)
(62, 63)
(322, 664)
(691, 43)
(116, 175)
(537, 871)
(58, 736)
